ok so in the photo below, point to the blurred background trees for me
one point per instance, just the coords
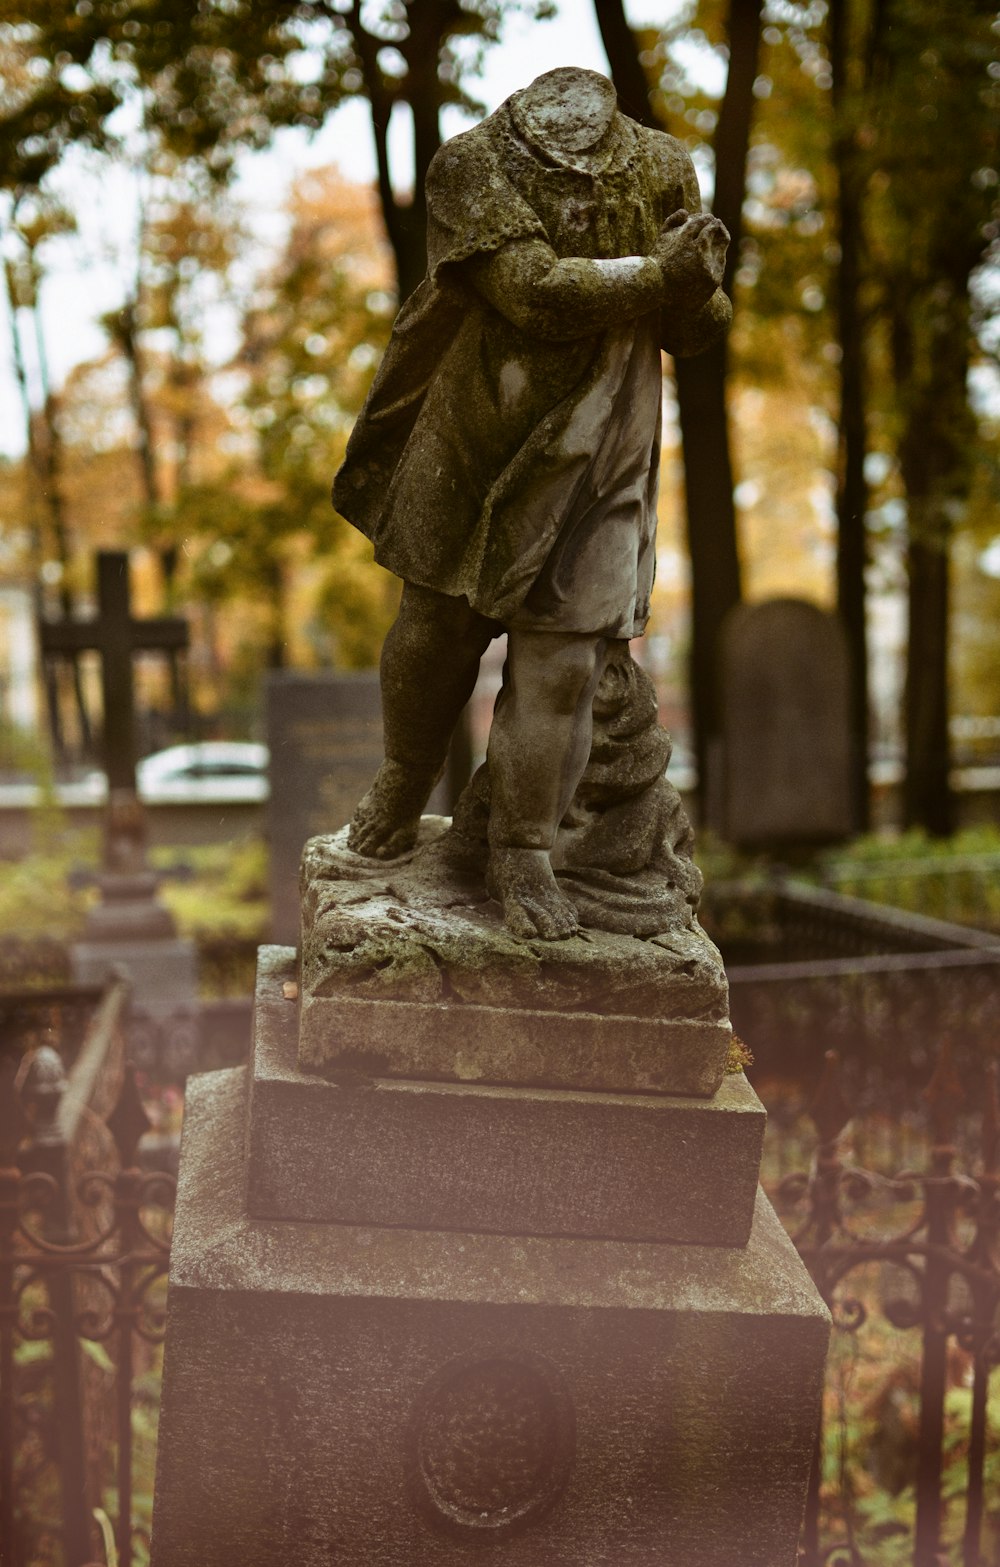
(843, 444)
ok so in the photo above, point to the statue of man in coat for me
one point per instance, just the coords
(506, 461)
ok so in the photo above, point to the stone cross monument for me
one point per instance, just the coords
(129, 926)
(472, 1253)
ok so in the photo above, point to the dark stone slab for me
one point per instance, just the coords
(786, 726)
(324, 731)
(390, 1397)
(469, 1157)
(416, 940)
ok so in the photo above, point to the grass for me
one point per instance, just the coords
(222, 887)
(226, 889)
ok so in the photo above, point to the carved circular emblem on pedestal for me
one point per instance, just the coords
(492, 1442)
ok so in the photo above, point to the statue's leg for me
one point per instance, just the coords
(430, 660)
(539, 747)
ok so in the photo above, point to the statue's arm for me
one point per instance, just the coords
(559, 300)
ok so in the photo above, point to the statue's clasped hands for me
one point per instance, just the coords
(691, 252)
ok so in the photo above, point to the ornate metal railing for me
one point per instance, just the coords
(939, 1274)
(777, 919)
(39, 1005)
(84, 1247)
(810, 970)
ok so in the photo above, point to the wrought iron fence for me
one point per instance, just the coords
(936, 1258)
(779, 919)
(38, 1005)
(84, 1247)
(811, 971)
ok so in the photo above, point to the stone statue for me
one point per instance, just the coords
(505, 465)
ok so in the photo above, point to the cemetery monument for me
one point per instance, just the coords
(786, 727)
(129, 926)
(472, 1252)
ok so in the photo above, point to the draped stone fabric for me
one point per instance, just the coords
(489, 463)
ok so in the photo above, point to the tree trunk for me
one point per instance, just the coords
(852, 489)
(927, 797)
(701, 381)
(934, 459)
(140, 408)
(701, 390)
(275, 590)
(937, 220)
(36, 480)
(405, 224)
(49, 468)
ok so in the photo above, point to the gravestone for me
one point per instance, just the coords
(786, 737)
(324, 732)
(129, 927)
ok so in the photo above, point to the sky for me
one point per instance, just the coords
(86, 278)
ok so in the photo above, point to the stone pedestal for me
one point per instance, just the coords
(411, 1315)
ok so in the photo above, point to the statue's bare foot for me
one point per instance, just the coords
(522, 882)
(387, 818)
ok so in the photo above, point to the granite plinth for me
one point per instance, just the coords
(400, 1397)
(472, 1157)
(417, 940)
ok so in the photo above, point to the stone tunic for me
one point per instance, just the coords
(488, 463)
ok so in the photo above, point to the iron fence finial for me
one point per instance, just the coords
(128, 1121)
(44, 1086)
(829, 1110)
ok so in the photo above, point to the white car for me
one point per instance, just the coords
(210, 770)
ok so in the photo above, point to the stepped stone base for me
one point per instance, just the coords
(445, 1155)
(399, 1397)
(408, 971)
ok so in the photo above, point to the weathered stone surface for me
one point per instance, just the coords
(337, 1393)
(786, 725)
(470, 1002)
(623, 852)
(469, 1157)
(505, 466)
